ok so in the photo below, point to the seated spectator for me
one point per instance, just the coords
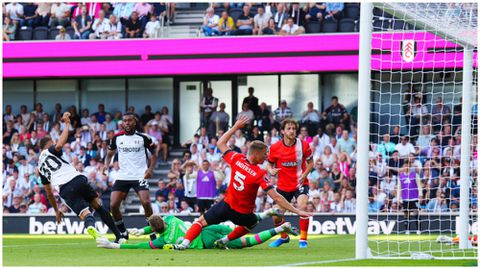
(252, 101)
(30, 15)
(270, 29)
(245, 22)
(15, 12)
(438, 204)
(59, 15)
(344, 163)
(280, 17)
(226, 24)
(36, 207)
(113, 30)
(290, 28)
(417, 113)
(311, 119)
(282, 113)
(316, 12)
(337, 204)
(240, 139)
(345, 144)
(210, 23)
(441, 114)
(265, 118)
(219, 120)
(152, 29)
(334, 10)
(82, 24)
(133, 27)
(16, 203)
(43, 13)
(100, 27)
(304, 135)
(107, 9)
(386, 147)
(9, 29)
(62, 35)
(260, 21)
(405, 147)
(142, 9)
(328, 158)
(335, 111)
(248, 113)
(255, 134)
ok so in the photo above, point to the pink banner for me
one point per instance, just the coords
(339, 52)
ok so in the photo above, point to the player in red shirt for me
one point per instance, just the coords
(239, 202)
(292, 158)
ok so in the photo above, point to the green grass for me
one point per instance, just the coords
(68, 250)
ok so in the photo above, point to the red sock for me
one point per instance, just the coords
(237, 233)
(304, 223)
(194, 231)
(277, 222)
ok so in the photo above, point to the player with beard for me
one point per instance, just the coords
(291, 159)
(135, 168)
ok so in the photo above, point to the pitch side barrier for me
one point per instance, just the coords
(328, 224)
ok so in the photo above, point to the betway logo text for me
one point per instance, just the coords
(66, 227)
(345, 226)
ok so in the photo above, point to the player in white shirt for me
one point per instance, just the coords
(73, 187)
(135, 168)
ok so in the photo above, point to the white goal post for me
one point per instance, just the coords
(439, 79)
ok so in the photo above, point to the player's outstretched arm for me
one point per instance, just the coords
(53, 202)
(222, 142)
(282, 202)
(158, 243)
(64, 136)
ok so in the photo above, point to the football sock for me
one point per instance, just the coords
(152, 235)
(108, 220)
(263, 215)
(192, 233)
(89, 220)
(121, 226)
(261, 237)
(236, 233)
(304, 222)
(277, 222)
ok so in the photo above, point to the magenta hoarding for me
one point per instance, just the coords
(235, 55)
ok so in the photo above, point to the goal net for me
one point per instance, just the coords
(417, 84)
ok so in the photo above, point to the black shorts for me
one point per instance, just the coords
(77, 194)
(289, 195)
(125, 185)
(222, 212)
(410, 205)
(204, 204)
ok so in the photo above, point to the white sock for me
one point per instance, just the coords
(224, 240)
(278, 229)
(262, 215)
(186, 242)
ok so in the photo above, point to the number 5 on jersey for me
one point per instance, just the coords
(239, 178)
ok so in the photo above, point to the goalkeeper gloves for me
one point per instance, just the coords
(103, 242)
(136, 232)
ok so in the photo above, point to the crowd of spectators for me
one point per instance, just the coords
(92, 20)
(429, 148)
(273, 18)
(96, 20)
(86, 149)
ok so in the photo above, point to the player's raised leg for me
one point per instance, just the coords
(262, 236)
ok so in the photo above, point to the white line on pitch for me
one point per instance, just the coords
(318, 262)
(41, 245)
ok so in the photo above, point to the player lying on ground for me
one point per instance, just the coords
(74, 188)
(172, 230)
(239, 202)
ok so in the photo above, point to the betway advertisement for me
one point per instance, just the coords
(319, 224)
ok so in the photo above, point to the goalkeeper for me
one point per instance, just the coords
(172, 230)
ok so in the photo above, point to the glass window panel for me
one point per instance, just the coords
(110, 92)
(156, 92)
(17, 93)
(298, 90)
(50, 92)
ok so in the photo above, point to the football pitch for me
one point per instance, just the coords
(80, 250)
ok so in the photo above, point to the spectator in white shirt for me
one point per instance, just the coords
(210, 23)
(152, 29)
(59, 15)
(405, 147)
(62, 35)
(260, 21)
(113, 29)
(15, 12)
(36, 207)
(100, 26)
(290, 28)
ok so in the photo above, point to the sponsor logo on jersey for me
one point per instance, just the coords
(130, 149)
(289, 164)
